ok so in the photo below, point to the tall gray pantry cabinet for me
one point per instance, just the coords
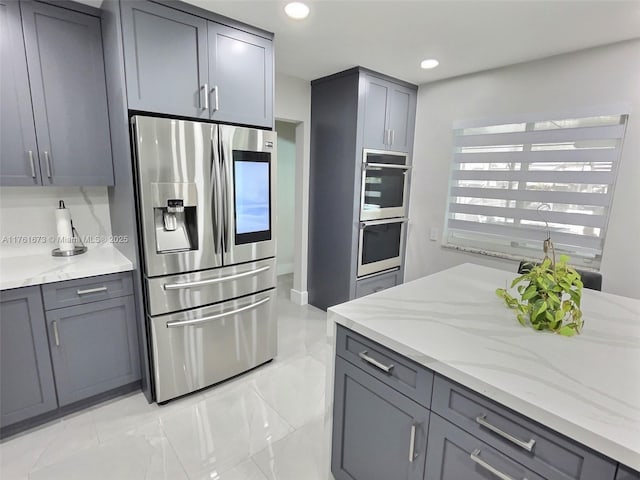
(55, 126)
(351, 111)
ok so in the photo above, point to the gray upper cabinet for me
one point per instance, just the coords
(18, 149)
(165, 60)
(241, 76)
(94, 347)
(625, 473)
(389, 115)
(378, 433)
(26, 379)
(178, 63)
(68, 90)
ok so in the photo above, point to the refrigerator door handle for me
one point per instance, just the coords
(216, 197)
(195, 321)
(225, 196)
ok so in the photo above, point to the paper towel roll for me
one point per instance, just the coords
(63, 228)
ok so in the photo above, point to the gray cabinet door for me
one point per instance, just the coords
(375, 113)
(26, 379)
(165, 60)
(94, 347)
(454, 454)
(375, 429)
(625, 473)
(68, 90)
(402, 115)
(241, 76)
(18, 149)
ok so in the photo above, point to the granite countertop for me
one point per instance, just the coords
(41, 267)
(586, 387)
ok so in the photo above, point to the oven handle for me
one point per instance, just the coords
(366, 165)
(371, 223)
(199, 283)
(184, 323)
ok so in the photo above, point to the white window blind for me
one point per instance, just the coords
(503, 172)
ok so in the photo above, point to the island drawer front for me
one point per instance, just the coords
(454, 454)
(377, 283)
(405, 376)
(552, 455)
(86, 290)
(625, 473)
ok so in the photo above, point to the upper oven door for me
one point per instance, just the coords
(248, 166)
(380, 245)
(384, 185)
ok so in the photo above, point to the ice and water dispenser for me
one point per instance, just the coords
(175, 216)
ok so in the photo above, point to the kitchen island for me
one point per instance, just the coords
(448, 351)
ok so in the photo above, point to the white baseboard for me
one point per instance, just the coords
(299, 298)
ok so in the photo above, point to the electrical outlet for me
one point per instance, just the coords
(433, 234)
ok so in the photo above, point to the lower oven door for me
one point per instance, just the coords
(203, 346)
(380, 246)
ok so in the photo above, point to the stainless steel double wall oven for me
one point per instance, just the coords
(206, 216)
(383, 211)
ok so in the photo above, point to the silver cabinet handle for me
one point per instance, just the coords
(32, 164)
(215, 91)
(385, 368)
(200, 283)
(56, 335)
(91, 290)
(386, 136)
(412, 444)
(393, 136)
(204, 105)
(185, 323)
(475, 456)
(528, 446)
(47, 162)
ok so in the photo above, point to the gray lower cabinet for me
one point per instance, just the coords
(94, 347)
(378, 433)
(389, 115)
(454, 454)
(18, 149)
(377, 283)
(625, 473)
(182, 64)
(68, 91)
(26, 381)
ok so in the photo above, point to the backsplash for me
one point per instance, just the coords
(27, 222)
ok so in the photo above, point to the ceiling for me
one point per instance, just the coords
(466, 36)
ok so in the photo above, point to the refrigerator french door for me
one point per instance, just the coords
(206, 208)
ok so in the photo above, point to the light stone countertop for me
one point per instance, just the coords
(586, 387)
(42, 267)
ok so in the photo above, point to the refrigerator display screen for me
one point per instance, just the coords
(252, 180)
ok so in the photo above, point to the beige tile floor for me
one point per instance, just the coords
(265, 425)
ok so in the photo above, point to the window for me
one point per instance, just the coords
(503, 172)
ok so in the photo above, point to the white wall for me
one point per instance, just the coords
(286, 195)
(29, 211)
(601, 76)
(293, 104)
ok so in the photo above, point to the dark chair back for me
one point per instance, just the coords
(590, 280)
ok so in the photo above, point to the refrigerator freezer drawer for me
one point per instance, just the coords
(200, 347)
(192, 290)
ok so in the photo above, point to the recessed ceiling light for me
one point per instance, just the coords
(297, 10)
(430, 63)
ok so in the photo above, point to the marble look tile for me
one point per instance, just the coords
(247, 470)
(297, 456)
(294, 389)
(76, 433)
(222, 430)
(142, 454)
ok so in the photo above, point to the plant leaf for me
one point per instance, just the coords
(567, 331)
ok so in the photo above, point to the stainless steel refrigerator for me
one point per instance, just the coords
(206, 213)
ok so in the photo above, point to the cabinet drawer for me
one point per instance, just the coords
(546, 452)
(625, 473)
(376, 284)
(403, 375)
(86, 290)
(454, 454)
